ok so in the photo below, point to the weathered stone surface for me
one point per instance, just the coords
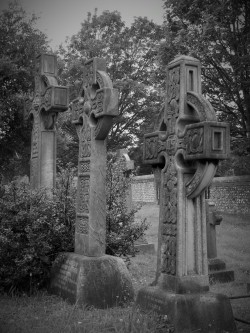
(184, 150)
(49, 99)
(195, 312)
(92, 113)
(93, 281)
(88, 276)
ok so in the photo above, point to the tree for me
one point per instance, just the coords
(20, 43)
(217, 33)
(131, 55)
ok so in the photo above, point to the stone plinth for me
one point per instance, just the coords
(101, 282)
(195, 312)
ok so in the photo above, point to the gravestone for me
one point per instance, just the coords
(141, 244)
(88, 276)
(186, 146)
(216, 267)
(49, 99)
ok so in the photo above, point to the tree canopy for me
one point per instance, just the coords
(217, 33)
(131, 55)
(20, 42)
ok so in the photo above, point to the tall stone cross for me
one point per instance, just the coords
(93, 114)
(186, 146)
(49, 99)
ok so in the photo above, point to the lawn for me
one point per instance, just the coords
(44, 313)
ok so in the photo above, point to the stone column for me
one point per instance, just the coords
(186, 146)
(50, 98)
(88, 276)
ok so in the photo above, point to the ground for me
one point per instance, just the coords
(43, 313)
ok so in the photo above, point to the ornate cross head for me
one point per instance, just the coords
(98, 100)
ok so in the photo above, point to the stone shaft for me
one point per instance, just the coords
(92, 114)
(49, 99)
(186, 146)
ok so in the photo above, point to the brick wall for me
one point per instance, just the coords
(231, 194)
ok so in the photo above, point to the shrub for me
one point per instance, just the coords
(34, 228)
(122, 230)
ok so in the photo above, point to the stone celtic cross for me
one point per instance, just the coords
(93, 112)
(49, 99)
(186, 147)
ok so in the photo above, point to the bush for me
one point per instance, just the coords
(34, 228)
(122, 230)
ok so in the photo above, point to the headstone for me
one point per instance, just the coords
(216, 267)
(187, 146)
(141, 244)
(88, 276)
(49, 99)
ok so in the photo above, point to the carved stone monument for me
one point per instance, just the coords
(216, 267)
(141, 244)
(49, 99)
(88, 276)
(186, 146)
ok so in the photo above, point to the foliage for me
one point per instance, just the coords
(122, 230)
(131, 55)
(217, 33)
(34, 227)
(20, 43)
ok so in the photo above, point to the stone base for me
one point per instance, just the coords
(145, 248)
(200, 312)
(101, 282)
(218, 272)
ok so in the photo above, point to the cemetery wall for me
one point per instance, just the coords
(230, 194)
(143, 190)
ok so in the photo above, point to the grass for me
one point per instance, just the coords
(43, 313)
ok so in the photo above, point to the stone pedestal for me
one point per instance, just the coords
(195, 312)
(101, 282)
(88, 276)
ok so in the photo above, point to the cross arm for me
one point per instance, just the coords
(153, 147)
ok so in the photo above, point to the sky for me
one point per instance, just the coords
(62, 18)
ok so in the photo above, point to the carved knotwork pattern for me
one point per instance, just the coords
(169, 225)
(97, 102)
(99, 79)
(194, 141)
(84, 167)
(83, 195)
(82, 225)
(46, 98)
(85, 140)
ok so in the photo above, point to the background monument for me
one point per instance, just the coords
(186, 146)
(88, 276)
(49, 99)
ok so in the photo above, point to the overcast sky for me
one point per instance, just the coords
(61, 18)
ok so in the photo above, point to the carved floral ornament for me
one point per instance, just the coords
(98, 100)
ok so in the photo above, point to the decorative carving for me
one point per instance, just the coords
(83, 195)
(151, 147)
(194, 141)
(84, 167)
(82, 225)
(97, 102)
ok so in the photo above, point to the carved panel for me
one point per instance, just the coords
(194, 141)
(83, 195)
(82, 225)
(84, 166)
(100, 80)
(97, 102)
(169, 223)
(46, 98)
